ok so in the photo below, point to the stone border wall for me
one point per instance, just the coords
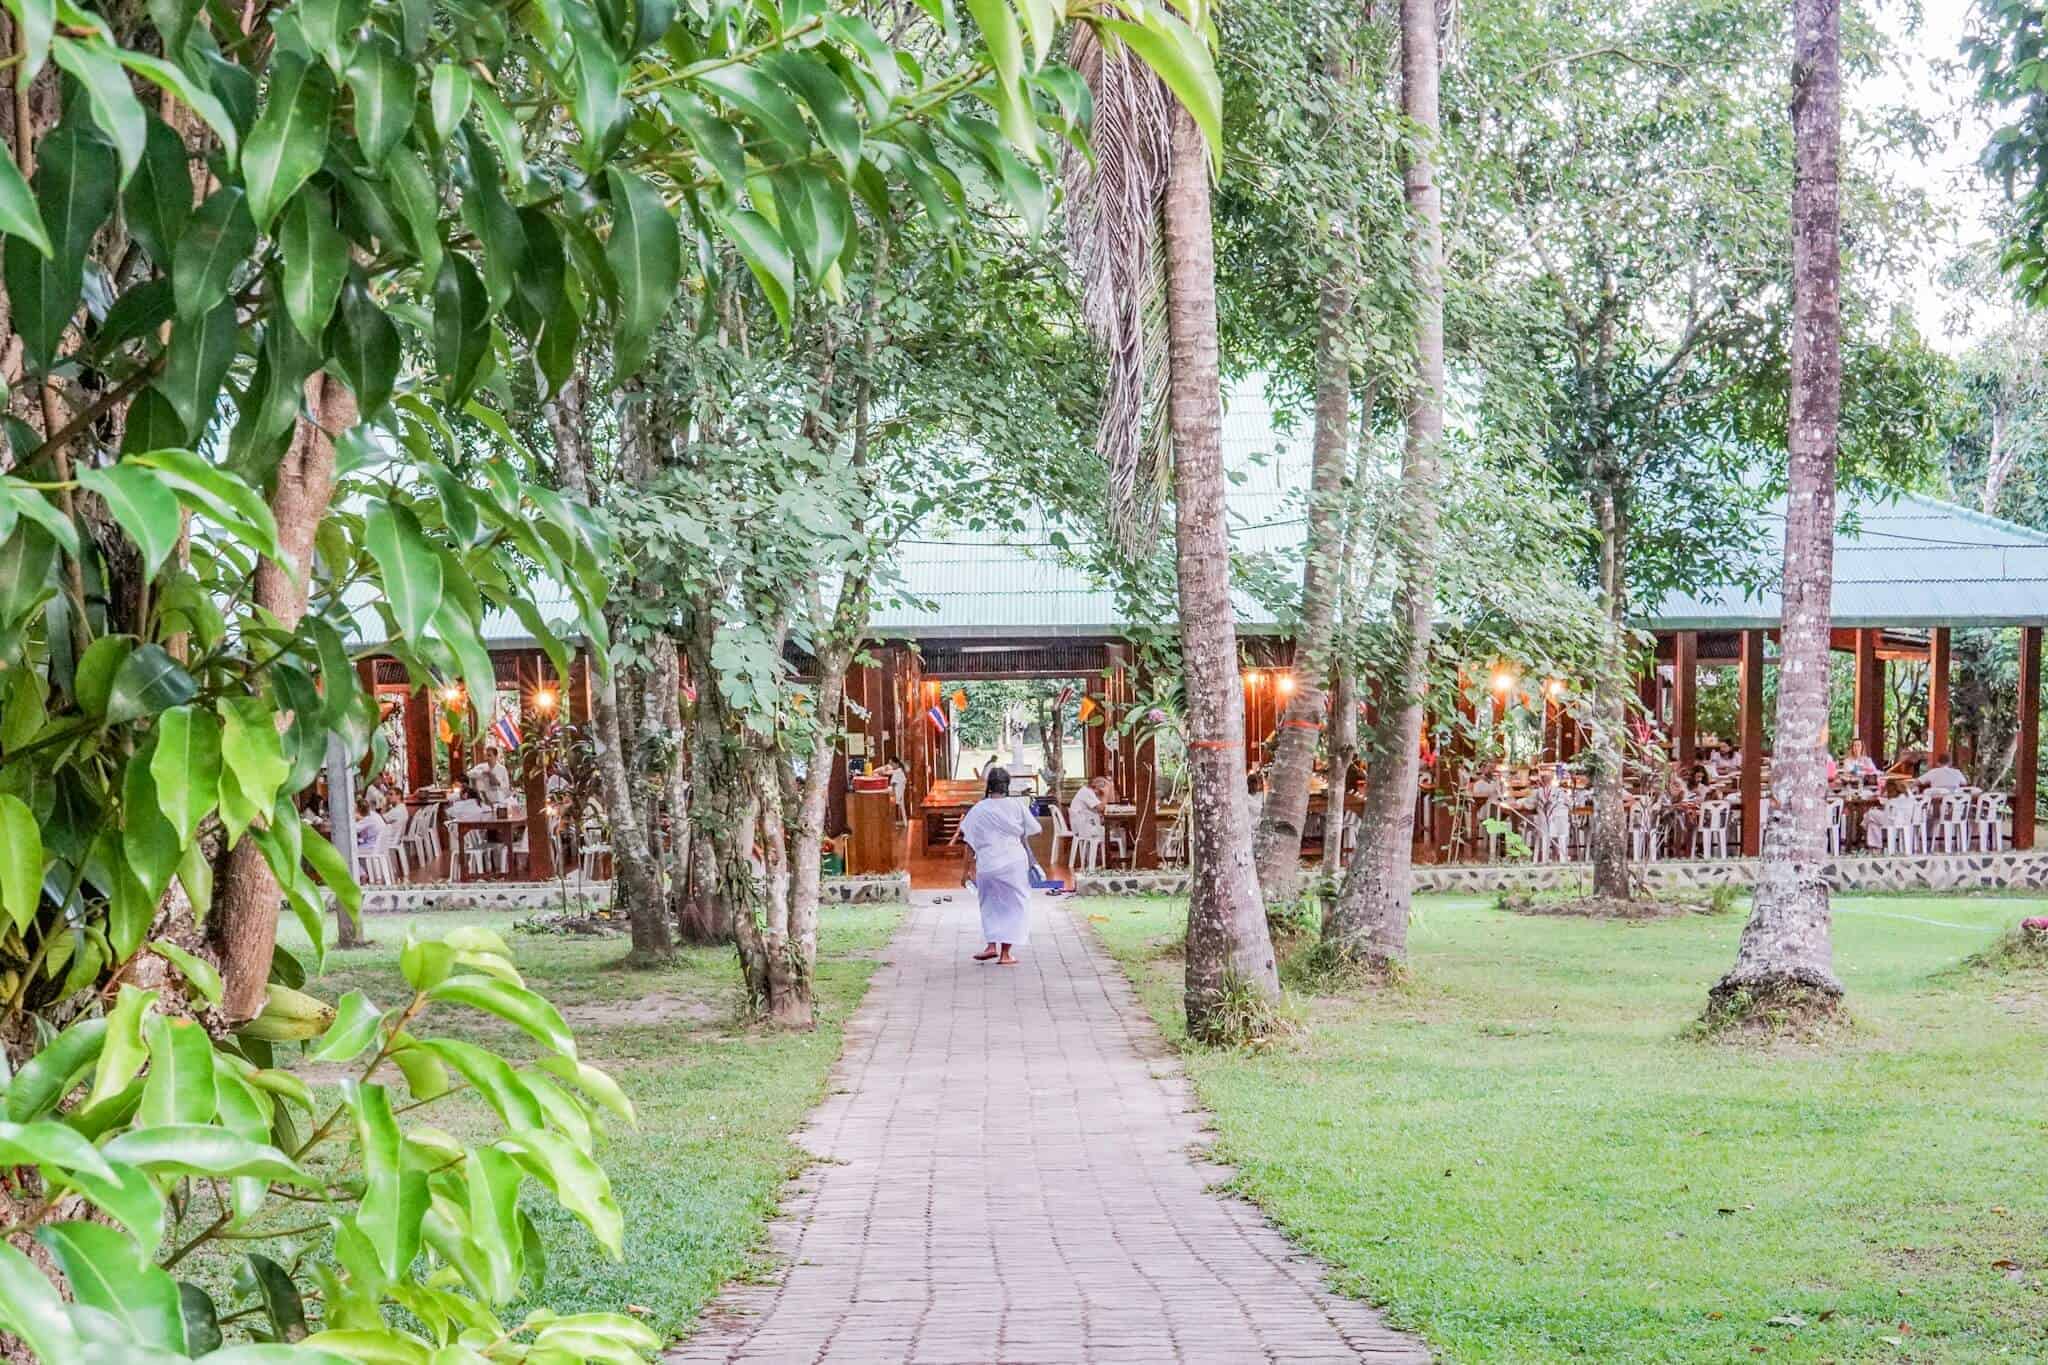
(1933, 872)
(893, 889)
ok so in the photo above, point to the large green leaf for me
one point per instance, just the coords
(315, 262)
(46, 1078)
(75, 183)
(1180, 58)
(18, 216)
(200, 974)
(462, 325)
(150, 844)
(252, 753)
(354, 1027)
(227, 500)
(96, 65)
(123, 1052)
(331, 27)
(821, 90)
(767, 255)
(383, 86)
(412, 572)
(187, 767)
(107, 1271)
(448, 98)
(493, 1078)
(21, 862)
(196, 97)
(333, 871)
(93, 684)
(35, 21)
(219, 237)
(179, 1087)
(646, 256)
(592, 1082)
(598, 107)
(201, 350)
(576, 1181)
(394, 1198)
(289, 140)
(761, 100)
(516, 1005)
(30, 1308)
(145, 508)
(148, 681)
(817, 217)
(51, 1145)
(201, 1149)
(365, 346)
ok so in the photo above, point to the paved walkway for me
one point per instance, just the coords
(1008, 1176)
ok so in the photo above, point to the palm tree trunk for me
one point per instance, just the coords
(1785, 957)
(1608, 836)
(1228, 947)
(1370, 919)
(1277, 849)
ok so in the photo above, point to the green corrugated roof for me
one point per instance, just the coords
(1906, 561)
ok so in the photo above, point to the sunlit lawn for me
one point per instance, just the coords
(717, 1098)
(1526, 1156)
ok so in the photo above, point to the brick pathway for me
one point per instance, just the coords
(1007, 1176)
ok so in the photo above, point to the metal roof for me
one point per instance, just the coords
(1907, 560)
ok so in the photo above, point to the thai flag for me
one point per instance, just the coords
(506, 732)
(937, 716)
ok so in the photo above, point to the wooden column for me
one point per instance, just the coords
(540, 849)
(2025, 775)
(1144, 793)
(1752, 690)
(1094, 748)
(1685, 697)
(1937, 691)
(419, 739)
(578, 707)
(1870, 695)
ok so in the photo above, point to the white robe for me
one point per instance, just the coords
(996, 829)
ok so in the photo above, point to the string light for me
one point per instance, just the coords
(1554, 688)
(452, 694)
(1285, 684)
(1503, 680)
(1251, 677)
(544, 700)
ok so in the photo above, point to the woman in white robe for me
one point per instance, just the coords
(996, 829)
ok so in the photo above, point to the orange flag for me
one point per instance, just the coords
(960, 700)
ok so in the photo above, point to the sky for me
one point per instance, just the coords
(1934, 82)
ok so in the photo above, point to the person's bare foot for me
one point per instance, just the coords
(1006, 960)
(986, 953)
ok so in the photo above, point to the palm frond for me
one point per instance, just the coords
(1116, 234)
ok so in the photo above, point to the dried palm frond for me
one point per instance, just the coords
(1116, 234)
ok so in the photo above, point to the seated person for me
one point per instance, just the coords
(491, 779)
(1084, 812)
(1858, 765)
(1490, 784)
(464, 805)
(1943, 776)
(1550, 822)
(369, 827)
(1255, 790)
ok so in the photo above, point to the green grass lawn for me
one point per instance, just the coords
(1525, 1155)
(717, 1097)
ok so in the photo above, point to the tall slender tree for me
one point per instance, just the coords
(1370, 920)
(1785, 957)
(1145, 239)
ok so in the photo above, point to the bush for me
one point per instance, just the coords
(139, 1113)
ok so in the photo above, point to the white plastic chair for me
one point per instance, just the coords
(1645, 833)
(423, 835)
(1551, 833)
(1088, 851)
(1838, 825)
(1710, 839)
(1904, 825)
(1952, 823)
(595, 848)
(1989, 822)
(373, 862)
(1062, 833)
(392, 841)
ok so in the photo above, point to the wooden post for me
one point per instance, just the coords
(1937, 691)
(578, 702)
(1685, 697)
(540, 848)
(1870, 695)
(2025, 785)
(419, 739)
(1752, 689)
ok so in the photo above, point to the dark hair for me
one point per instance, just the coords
(998, 782)
(1699, 772)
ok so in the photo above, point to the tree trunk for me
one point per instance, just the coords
(1228, 947)
(636, 878)
(2000, 460)
(1277, 848)
(247, 906)
(1369, 922)
(1608, 836)
(1785, 959)
(778, 972)
(806, 879)
(1343, 749)
(721, 808)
